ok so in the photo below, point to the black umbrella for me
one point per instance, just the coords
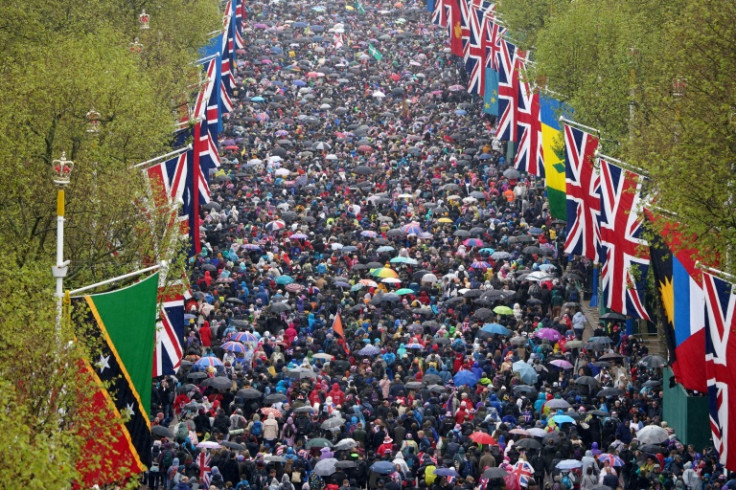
(249, 394)
(652, 361)
(197, 375)
(232, 445)
(609, 392)
(185, 388)
(613, 316)
(280, 307)
(495, 473)
(529, 443)
(161, 431)
(218, 383)
(432, 379)
(276, 398)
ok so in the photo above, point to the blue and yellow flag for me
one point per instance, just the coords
(490, 92)
(553, 145)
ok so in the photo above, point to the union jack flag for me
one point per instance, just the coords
(475, 59)
(583, 194)
(167, 352)
(523, 471)
(168, 182)
(508, 91)
(494, 38)
(720, 303)
(239, 16)
(529, 156)
(205, 93)
(441, 13)
(205, 471)
(464, 19)
(622, 247)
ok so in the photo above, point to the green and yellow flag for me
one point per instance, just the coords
(553, 144)
(120, 328)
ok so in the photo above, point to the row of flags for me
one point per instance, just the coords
(141, 326)
(606, 215)
(184, 178)
(496, 69)
(603, 202)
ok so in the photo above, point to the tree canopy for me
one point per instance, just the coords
(658, 80)
(61, 59)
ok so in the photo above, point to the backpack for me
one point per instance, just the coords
(167, 459)
(182, 432)
(257, 428)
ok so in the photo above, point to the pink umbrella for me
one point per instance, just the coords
(561, 363)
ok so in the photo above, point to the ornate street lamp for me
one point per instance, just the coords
(61, 172)
(136, 46)
(144, 19)
(93, 121)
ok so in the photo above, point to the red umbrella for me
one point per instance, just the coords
(365, 148)
(482, 438)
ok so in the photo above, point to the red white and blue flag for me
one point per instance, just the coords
(205, 471)
(720, 345)
(624, 252)
(441, 12)
(168, 350)
(529, 155)
(523, 471)
(477, 49)
(583, 187)
(508, 91)
(494, 37)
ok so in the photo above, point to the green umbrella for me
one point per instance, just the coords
(404, 291)
(503, 310)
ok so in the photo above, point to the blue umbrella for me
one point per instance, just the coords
(485, 156)
(465, 377)
(495, 328)
(234, 347)
(563, 419)
(276, 50)
(487, 250)
(299, 83)
(385, 248)
(317, 28)
(460, 112)
(383, 467)
(299, 25)
(369, 350)
(446, 472)
(357, 287)
(526, 372)
(569, 464)
(284, 279)
(342, 284)
(257, 98)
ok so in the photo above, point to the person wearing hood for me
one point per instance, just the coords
(216, 479)
(270, 430)
(205, 334)
(338, 396)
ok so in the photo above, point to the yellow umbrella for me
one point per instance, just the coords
(384, 272)
(444, 220)
(349, 7)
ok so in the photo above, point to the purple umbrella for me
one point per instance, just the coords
(548, 334)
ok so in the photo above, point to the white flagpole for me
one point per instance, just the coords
(162, 157)
(116, 279)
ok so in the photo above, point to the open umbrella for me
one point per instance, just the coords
(382, 467)
(526, 372)
(249, 394)
(218, 383)
(561, 363)
(495, 328)
(345, 444)
(652, 434)
(208, 361)
(569, 464)
(529, 443)
(318, 442)
(325, 467)
(465, 377)
(548, 334)
(482, 438)
(652, 361)
(446, 472)
(612, 459)
(162, 431)
(557, 404)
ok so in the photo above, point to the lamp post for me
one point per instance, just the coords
(61, 175)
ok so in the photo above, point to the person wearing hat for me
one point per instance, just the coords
(386, 447)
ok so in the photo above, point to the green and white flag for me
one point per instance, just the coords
(359, 7)
(375, 53)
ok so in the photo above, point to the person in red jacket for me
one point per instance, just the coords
(205, 334)
(338, 397)
(387, 446)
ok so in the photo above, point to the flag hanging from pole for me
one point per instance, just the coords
(720, 347)
(374, 52)
(339, 333)
(120, 325)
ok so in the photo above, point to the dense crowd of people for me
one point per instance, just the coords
(381, 300)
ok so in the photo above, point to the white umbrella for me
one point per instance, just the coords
(378, 94)
(652, 434)
(429, 278)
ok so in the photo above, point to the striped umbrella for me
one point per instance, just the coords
(412, 228)
(474, 242)
(275, 225)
